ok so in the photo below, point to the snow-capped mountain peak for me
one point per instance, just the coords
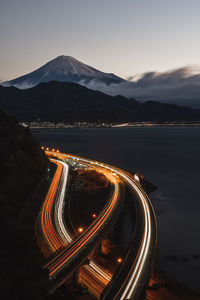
(63, 68)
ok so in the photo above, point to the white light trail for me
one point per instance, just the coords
(59, 207)
(61, 228)
(135, 272)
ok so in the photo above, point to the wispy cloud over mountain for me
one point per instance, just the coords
(180, 86)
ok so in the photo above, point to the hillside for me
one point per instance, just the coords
(70, 102)
(23, 187)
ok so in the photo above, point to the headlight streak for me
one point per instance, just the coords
(65, 235)
(132, 282)
(48, 230)
(62, 259)
(136, 269)
(55, 241)
(54, 229)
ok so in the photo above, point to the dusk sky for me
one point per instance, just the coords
(123, 37)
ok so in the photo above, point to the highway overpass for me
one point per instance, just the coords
(130, 282)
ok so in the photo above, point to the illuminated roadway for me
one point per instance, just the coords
(54, 230)
(73, 255)
(58, 238)
(92, 268)
(49, 224)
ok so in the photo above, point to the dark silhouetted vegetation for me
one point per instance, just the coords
(23, 185)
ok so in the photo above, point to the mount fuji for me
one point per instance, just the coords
(64, 69)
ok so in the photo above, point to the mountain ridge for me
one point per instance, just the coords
(71, 102)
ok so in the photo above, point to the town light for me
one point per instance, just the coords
(47, 149)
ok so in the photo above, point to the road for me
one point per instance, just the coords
(92, 271)
(50, 226)
(134, 277)
(57, 236)
(72, 256)
(92, 275)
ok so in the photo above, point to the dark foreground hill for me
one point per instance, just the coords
(70, 102)
(23, 186)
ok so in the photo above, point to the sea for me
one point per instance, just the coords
(170, 158)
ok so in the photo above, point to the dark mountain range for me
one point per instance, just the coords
(64, 69)
(70, 102)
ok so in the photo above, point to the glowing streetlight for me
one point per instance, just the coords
(42, 148)
(47, 149)
(57, 151)
(94, 216)
(119, 260)
(80, 229)
(53, 150)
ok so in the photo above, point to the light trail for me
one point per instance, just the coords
(80, 242)
(133, 277)
(138, 267)
(57, 240)
(62, 229)
(66, 236)
(55, 195)
(48, 230)
(59, 207)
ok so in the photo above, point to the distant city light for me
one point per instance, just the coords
(57, 151)
(119, 260)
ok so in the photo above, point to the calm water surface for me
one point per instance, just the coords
(170, 158)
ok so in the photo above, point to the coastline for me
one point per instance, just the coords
(51, 125)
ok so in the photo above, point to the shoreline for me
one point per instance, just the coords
(136, 125)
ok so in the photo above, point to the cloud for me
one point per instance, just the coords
(24, 85)
(179, 86)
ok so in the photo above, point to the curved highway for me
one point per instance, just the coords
(52, 224)
(92, 271)
(133, 282)
(55, 232)
(48, 237)
(72, 256)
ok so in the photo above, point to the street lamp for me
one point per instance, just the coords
(119, 260)
(80, 229)
(94, 216)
